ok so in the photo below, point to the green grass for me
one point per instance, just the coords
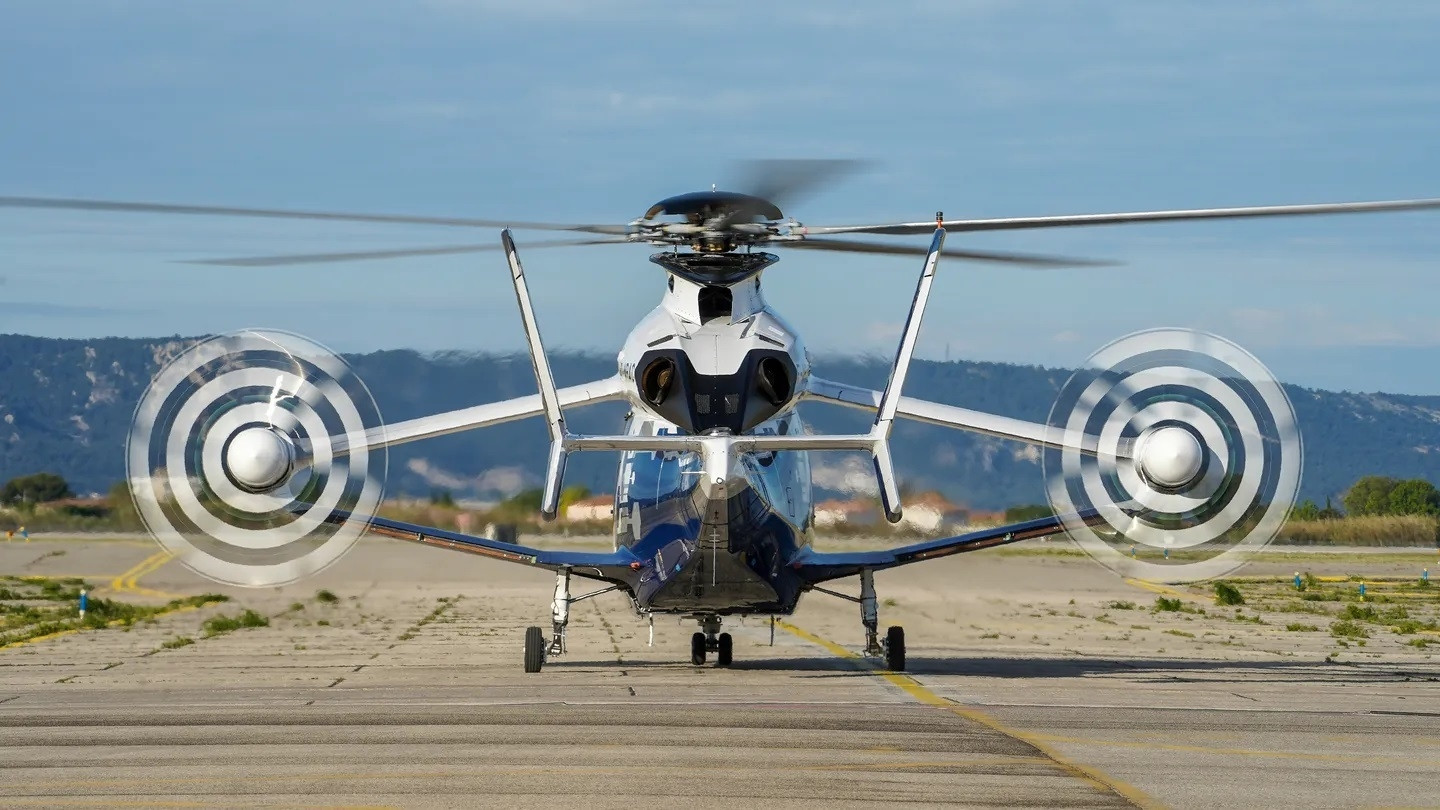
(1301, 606)
(1422, 642)
(1409, 627)
(178, 642)
(1120, 605)
(1346, 628)
(1180, 633)
(217, 625)
(326, 597)
(1296, 627)
(1167, 604)
(1364, 613)
(1227, 595)
(25, 622)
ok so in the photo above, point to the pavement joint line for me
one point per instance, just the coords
(1246, 752)
(1091, 776)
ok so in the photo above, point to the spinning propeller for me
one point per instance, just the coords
(1197, 456)
(234, 464)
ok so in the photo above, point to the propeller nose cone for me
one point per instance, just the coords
(259, 459)
(1169, 457)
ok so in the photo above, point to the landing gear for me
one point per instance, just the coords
(537, 649)
(892, 649)
(560, 612)
(534, 649)
(710, 639)
(895, 649)
(870, 613)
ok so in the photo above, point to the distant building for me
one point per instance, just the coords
(930, 512)
(598, 507)
(981, 519)
(834, 513)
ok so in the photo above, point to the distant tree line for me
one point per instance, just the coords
(28, 490)
(1376, 495)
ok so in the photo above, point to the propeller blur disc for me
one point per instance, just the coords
(249, 457)
(1197, 455)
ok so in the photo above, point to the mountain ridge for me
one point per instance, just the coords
(66, 406)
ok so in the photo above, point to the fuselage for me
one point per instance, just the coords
(713, 357)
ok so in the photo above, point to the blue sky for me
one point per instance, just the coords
(592, 111)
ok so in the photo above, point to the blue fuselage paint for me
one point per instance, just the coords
(727, 554)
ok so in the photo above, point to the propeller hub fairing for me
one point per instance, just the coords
(259, 459)
(1169, 457)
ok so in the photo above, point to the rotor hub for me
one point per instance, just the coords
(259, 459)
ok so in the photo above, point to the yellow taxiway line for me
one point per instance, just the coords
(1092, 776)
(128, 581)
(124, 582)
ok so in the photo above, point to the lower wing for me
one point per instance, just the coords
(817, 566)
(603, 565)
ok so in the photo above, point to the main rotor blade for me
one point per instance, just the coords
(1016, 223)
(784, 181)
(270, 213)
(367, 255)
(1021, 259)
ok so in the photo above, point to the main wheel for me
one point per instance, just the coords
(895, 649)
(697, 649)
(534, 649)
(727, 646)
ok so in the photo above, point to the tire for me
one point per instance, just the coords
(727, 646)
(895, 649)
(697, 649)
(534, 649)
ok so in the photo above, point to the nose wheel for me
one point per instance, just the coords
(709, 640)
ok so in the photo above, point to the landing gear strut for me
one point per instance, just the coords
(537, 649)
(560, 612)
(892, 649)
(711, 639)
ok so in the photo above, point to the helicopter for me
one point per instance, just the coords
(258, 457)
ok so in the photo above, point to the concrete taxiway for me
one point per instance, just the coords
(408, 691)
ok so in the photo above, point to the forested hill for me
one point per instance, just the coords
(65, 407)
